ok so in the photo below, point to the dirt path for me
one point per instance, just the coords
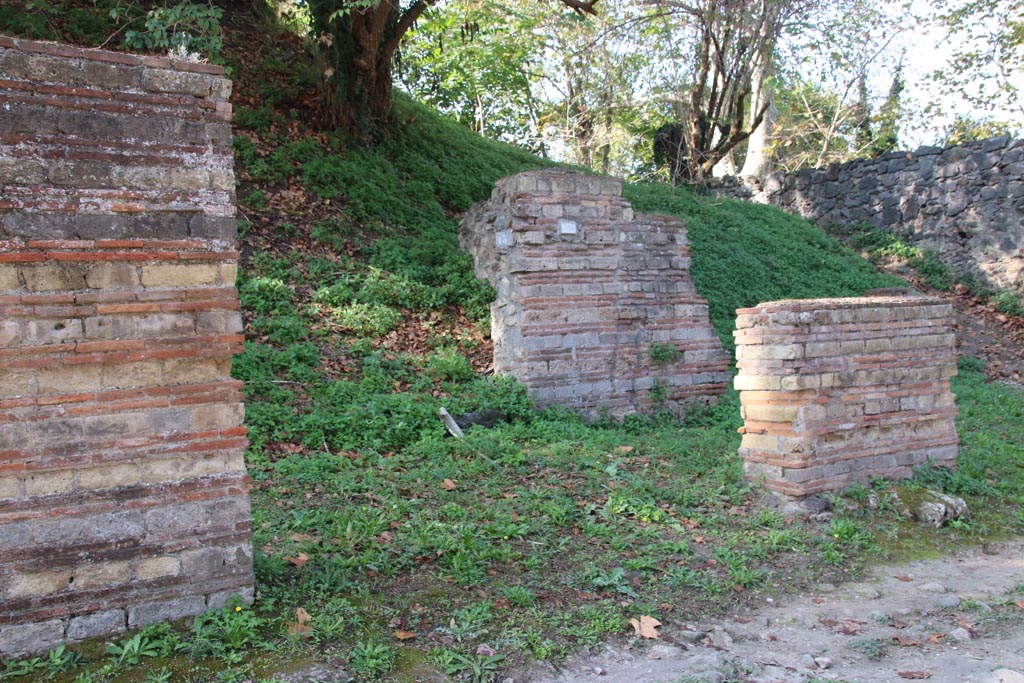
(985, 333)
(958, 619)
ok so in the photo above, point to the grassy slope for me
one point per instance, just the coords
(745, 253)
(545, 533)
(536, 536)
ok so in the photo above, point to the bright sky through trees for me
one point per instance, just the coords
(929, 47)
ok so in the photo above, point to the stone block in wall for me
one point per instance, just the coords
(837, 391)
(584, 288)
(121, 432)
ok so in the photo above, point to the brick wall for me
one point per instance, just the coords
(584, 287)
(835, 391)
(123, 494)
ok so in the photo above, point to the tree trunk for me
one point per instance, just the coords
(758, 161)
(360, 47)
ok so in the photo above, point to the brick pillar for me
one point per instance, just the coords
(836, 391)
(123, 493)
(586, 289)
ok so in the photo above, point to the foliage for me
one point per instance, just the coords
(226, 633)
(371, 659)
(61, 20)
(991, 429)
(185, 29)
(475, 63)
(1009, 302)
(987, 45)
(881, 244)
(663, 354)
(357, 41)
(966, 129)
(734, 45)
(132, 649)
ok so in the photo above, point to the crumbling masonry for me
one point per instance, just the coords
(586, 291)
(836, 391)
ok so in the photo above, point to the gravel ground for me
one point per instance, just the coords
(956, 619)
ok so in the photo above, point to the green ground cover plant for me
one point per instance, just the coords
(410, 552)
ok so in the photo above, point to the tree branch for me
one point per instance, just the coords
(581, 6)
(405, 22)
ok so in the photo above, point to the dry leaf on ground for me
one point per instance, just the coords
(298, 560)
(915, 675)
(449, 484)
(301, 625)
(646, 627)
(906, 642)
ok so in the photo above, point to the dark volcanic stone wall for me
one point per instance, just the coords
(964, 202)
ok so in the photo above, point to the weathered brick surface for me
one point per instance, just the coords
(585, 287)
(836, 391)
(123, 495)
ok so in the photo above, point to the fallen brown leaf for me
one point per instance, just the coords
(905, 642)
(646, 627)
(449, 485)
(404, 635)
(298, 560)
(850, 627)
(301, 626)
(903, 578)
(915, 675)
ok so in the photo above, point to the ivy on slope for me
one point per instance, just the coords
(746, 253)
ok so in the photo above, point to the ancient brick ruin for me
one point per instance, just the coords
(123, 493)
(585, 291)
(836, 391)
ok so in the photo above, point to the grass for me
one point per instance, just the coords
(746, 253)
(410, 551)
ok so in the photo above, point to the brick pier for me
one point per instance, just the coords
(123, 493)
(836, 391)
(586, 290)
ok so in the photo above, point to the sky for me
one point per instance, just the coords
(929, 47)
